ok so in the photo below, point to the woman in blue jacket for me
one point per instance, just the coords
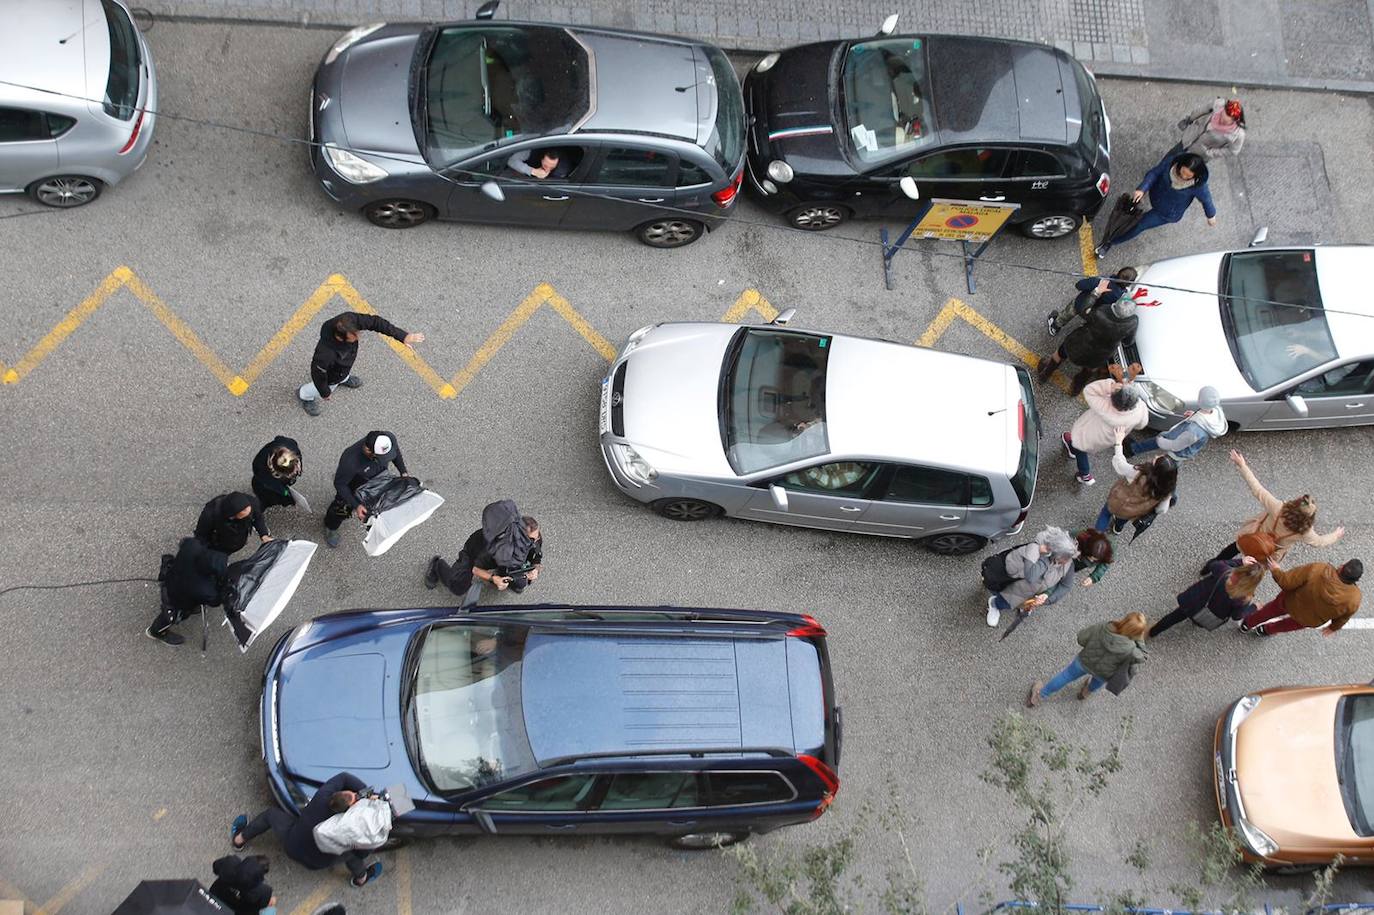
(1173, 184)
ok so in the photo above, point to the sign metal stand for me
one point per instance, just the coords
(964, 221)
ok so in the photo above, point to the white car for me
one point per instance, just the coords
(1285, 335)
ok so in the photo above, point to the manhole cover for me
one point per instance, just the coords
(1286, 187)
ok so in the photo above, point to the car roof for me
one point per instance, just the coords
(626, 694)
(42, 44)
(638, 78)
(1345, 296)
(989, 89)
(907, 403)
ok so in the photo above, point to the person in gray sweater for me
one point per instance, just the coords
(1214, 130)
(1041, 571)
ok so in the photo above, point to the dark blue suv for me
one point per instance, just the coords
(702, 726)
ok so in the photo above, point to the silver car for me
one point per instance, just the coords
(821, 430)
(81, 122)
(1285, 335)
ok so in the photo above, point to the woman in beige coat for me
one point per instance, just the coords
(1287, 522)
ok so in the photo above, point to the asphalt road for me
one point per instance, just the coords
(125, 759)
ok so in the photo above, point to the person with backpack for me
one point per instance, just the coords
(1226, 592)
(1109, 654)
(1143, 491)
(1185, 439)
(1093, 344)
(1030, 576)
(506, 552)
(1279, 525)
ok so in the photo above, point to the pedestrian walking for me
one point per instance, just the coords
(1108, 656)
(360, 462)
(240, 885)
(1172, 186)
(1185, 439)
(196, 578)
(1213, 131)
(1093, 292)
(1093, 343)
(1113, 404)
(332, 364)
(1279, 525)
(1142, 491)
(506, 552)
(1226, 592)
(276, 467)
(297, 833)
(226, 519)
(1310, 596)
(1036, 574)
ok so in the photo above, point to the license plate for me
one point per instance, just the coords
(605, 404)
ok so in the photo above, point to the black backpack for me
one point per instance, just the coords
(995, 577)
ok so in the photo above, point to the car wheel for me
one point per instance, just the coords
(686, 509)
(955, 543)
(65, 191)
(816, 217)
(1054, 226)
(702, 841)
(398, 214)
(669, 233)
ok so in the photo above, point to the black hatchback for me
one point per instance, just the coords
(835, 126)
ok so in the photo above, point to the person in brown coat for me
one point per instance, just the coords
(1287, 522)
(1144, 489)
(1311, 597)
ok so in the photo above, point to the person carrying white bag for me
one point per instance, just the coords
(365, 826)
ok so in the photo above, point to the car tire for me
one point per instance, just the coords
(1054, 225)
(398, 214)
(954, 543)
(707, 841)
(817, 217)
(65, 191)
(670, 232)
(686, 509)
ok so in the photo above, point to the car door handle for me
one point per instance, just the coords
(564, 197)
(651, 199)
(850, 508)
(560, 826)
(949, 517)
(994, 199)
(682, 822)
(1353, 406)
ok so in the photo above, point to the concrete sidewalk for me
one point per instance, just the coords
(1295, 44)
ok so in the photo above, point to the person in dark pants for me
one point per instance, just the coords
(332, 364)
(1226, 592)
(1093, 344)
(225, 521)
(239, 884)
(1093, 292)
(297, 833)
(476, 566)
(1173, 185)
(197, 578)
(277, 466)
(1311, 596)
(360, 462)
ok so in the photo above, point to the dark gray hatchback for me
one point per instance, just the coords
(457, 121)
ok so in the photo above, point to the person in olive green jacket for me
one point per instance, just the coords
(1106, 649)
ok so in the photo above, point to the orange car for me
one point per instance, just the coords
(1294, 773)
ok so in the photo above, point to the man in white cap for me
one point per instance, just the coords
(1185, 439)
(360, 462)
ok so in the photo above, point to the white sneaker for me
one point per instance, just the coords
(994, 614)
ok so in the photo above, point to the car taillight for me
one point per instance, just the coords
(723, 196)
(1104, 184)
(133, 137)
(1021, 420)
(825, 774)
(809, 629)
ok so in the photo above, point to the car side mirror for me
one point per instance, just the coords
(888, 25)
(486, 10)
(493, 190)
(779, 497)
(1261, 236)
(784, 317)
(908, 186)
(1297, 404)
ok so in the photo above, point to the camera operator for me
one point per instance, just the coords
(507, 552)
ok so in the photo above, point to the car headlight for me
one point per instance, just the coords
(780, 171)
(1242, 711)
(352, 168)
(1255, 839)
(635, 337)
(349, 39)
(635, 466)
(766, 64)
(768, 186)
(299, 634)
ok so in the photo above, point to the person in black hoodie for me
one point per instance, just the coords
(1092, 345)
(332, 364)
(239, 884)
(197, 578)
(225, 521)
(297, 833)
(360, 462)
(506, 552)
(276, 466)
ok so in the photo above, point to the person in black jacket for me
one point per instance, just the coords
(197, 578)
(360, 462)
(297, 833)
(225, 521)
(239, 884)
(276, 466)
(477, 565)
(1092, 345)
(332, 364)
(1092, 291)
(1226, 592)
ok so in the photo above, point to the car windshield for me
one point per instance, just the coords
(1355, 760)
(772, 398)
(463, 706)
(495, 84)
(886, 98)
(121, 84)
(726, 143)
(1272, 309)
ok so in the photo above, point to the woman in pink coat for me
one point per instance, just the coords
(1114, 409)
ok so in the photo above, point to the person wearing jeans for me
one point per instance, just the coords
(1114, 409)
(1106, 649)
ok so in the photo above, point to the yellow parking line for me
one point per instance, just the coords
(403, 906)
(345, 290)
(500, 337)
(750, 299)
(29, 361)
(68, 892)
(294, 325)
(323, 890)
(179, 328)
(942, 321)
(954, 308)
(1086, 250)
(11, 893)
(579, 323)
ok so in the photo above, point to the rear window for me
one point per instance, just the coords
(1023, 483)
(726, 143)
(121, 86)
(731, 788)
(1092, 140)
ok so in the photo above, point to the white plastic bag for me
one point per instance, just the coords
(362, 827)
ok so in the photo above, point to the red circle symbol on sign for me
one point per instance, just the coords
(962, 221)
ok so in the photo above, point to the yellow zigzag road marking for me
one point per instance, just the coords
(1086, 250)
(65, 895)
(957, 309)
